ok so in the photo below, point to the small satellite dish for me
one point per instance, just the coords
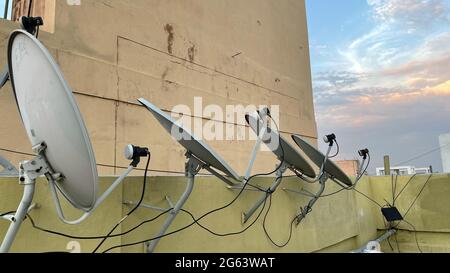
(289, 158)
(199, 156)
(284, 151)
(318, 158)
(51, 116)
(191, 143)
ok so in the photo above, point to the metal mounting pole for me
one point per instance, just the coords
(99, 201)
(276, 183)
(30, 170)
(378, 241)
(313, 200)
(18, 218)
(192, 168)
(8, 168)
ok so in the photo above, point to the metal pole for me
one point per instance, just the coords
(384, 237)
(264, 196)
(4, 76)
(255, 151)
(313, 200)
(27, 198)
(8, 168)
(174, 212)
(387, 165)
(97, 204)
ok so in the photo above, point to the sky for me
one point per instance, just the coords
(381, 77)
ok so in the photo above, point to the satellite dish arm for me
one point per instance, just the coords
(322, 169)
(256, 147)
(4, 77)
(132, 153)
(97, 204)
(8, 168)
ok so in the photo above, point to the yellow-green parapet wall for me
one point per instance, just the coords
(339, 223)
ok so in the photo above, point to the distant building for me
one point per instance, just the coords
(349, 167)
(444, 142)
(404, 170)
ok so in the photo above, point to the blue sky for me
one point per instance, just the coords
(381, 76)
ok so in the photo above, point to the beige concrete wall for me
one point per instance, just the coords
(112, 52)
(319, 232)
(339, 223)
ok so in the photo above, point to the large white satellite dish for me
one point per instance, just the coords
(199, 156)
(50, 114)
(56, 131)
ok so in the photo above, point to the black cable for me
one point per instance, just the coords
(132, 210)
(203, 216)
(417, 197)
(267, 233)
(394, 193)
(270, 199)
(363, 194)
(350, 188)
(7, 213)
(29, 7)
(396, 242)
(333, 193)
(392, 189)
(196, 221)
(92, 237)
(422, 155)
(415, 235)
(226, 234)
(337, 151)
(404, 187)
(215, 210)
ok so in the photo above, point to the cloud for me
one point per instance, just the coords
(413, 14)
(391, 86)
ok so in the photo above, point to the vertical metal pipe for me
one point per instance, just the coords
(14, 227)
(387, 165)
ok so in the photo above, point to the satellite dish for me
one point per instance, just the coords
(50, 115)
(56, 131)
(284, 151)
(199, 156)
(289, 158)
(191, 143)
(318, 158)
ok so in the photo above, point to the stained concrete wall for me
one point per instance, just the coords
(338, 223)
(113, 52)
